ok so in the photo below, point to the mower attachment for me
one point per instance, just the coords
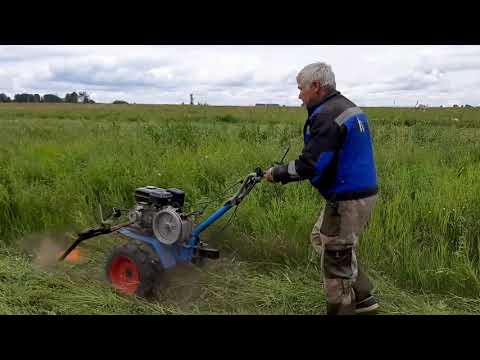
(91, 233)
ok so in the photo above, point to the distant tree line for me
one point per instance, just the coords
(467, 106)
(81, 97)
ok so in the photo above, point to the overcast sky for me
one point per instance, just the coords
(243, 75)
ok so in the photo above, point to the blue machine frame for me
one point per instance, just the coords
(170, 255)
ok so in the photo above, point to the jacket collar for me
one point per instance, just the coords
(312, 108)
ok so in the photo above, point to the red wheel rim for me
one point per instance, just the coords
(124, 275)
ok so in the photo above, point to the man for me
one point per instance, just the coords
(338, 160)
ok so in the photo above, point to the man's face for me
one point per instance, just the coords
(310, 94)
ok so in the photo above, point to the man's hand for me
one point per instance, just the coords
(268, 175)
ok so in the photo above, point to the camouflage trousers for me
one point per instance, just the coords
(335, 238)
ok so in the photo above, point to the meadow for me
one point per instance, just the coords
(59, 162)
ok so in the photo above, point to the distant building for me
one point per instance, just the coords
(420, 106)
(268, 105)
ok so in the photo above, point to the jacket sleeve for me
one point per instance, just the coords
(316, 155)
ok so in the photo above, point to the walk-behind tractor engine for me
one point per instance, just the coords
(164, 235)
(159, 212)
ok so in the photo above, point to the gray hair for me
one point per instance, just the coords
(320, 72)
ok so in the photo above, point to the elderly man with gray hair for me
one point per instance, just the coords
(338, 160)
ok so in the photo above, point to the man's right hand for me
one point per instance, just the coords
(268, 175)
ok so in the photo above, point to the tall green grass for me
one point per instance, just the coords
(58, 162)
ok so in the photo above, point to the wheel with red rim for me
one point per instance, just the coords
(132, 270)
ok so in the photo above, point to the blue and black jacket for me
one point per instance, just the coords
(337, 157)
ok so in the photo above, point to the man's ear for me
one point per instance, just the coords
(316, 86)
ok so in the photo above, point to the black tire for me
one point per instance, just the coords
(142, 265)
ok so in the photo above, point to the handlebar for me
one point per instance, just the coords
(248, 184)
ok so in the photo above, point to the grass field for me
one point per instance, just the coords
(57, 162)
